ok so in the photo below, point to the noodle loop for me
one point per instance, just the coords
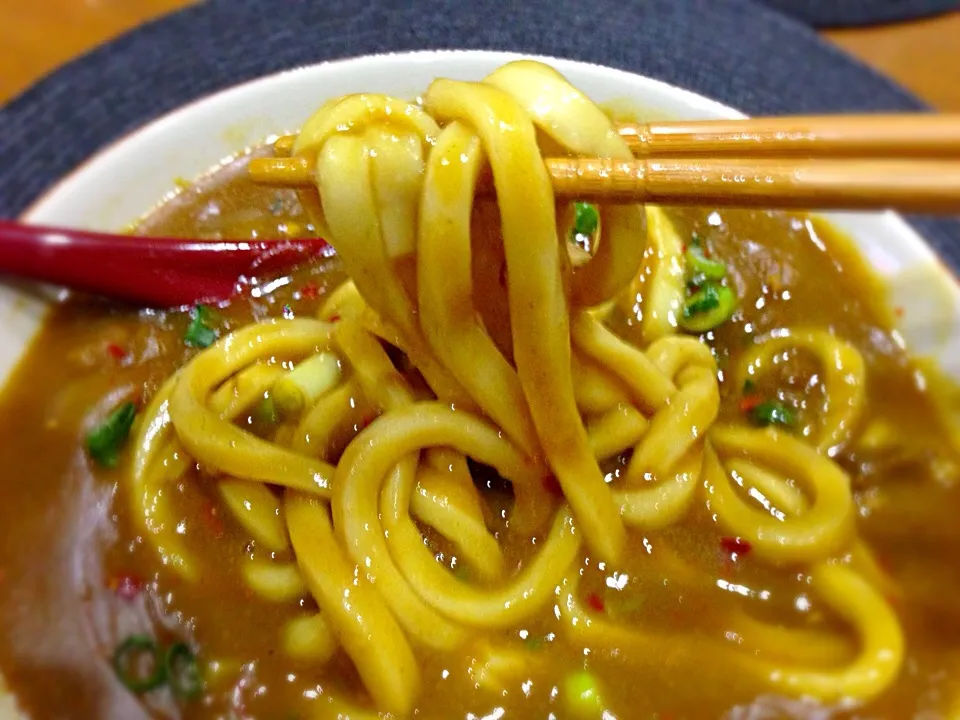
(447, 350)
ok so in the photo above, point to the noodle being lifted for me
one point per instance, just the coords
(524, 455)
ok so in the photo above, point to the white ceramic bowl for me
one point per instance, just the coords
(127, 179)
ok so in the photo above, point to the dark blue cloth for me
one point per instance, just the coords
(734, 50)
(848, 13)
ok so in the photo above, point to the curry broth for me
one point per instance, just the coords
(76, 575)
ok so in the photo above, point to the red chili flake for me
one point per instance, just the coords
(898, 311)
(333, 318)
(735, 545)
(749, 402)
(552, 485)
(309, 291)
(211, 518)
(595, 602)
(367, 419)
(126, 586)
(116, 352)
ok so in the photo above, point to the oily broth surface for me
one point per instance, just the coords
(69, 535)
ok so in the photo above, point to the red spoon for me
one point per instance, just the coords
(150, 271)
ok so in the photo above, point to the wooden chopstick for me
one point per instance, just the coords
(904, 135)
(818, 135)
(907, 162)
(832, 184)
(851, 184)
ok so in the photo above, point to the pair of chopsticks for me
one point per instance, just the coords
(906, 162)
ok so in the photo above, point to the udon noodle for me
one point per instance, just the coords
(511, 359)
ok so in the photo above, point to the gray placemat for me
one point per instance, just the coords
(852, 13)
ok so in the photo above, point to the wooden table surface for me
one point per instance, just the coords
(37, 36)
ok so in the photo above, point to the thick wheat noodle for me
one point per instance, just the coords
(447, 503)
(651, 389)
(159, 460)
(676, 427)
(779, 496)
(222, 445)
(345, 178)
(660, 282)
(864, 675)
(581, 128)
(356, 506)
(329, 424)
(842, 370)
(277, 582)
(444, 283)
(615, 431)
(824, 529)
(361, 622)
(595, 390)
(336, 495)
(541, 339)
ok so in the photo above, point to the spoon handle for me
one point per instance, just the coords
(151, 271)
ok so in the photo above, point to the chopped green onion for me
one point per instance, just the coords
(208, 315)
(461, 573)
(707, 308)
(200, 332)
(772, 412)
(183, 672)
(582, 694)
(125, 664)
(266, 411)
(105, 441)
(749, 386)
(702, 301)
(534, 642)
(306, 382)
(701, 269)
(586, 219)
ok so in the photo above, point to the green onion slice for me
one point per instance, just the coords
(266, 411)
(586, 219)
(183, 672)
(310, 379)
(200, 332)
(710, 306)
(701, 269)
(772, 412)
(127, 659)
(105, 440)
